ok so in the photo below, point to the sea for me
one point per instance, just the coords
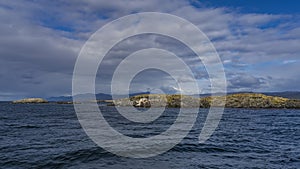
(50, 136)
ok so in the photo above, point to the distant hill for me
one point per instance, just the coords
(287, 94)
(60, 98)
(99, 96)
(140, 93)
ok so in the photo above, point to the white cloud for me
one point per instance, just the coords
(289, 61)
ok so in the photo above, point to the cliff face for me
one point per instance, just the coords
(31, 100)
(243, 100)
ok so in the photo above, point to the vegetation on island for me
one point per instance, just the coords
(30, 100)
(241, 100)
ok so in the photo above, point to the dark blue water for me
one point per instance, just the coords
(50, 136)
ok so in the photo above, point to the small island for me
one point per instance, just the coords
(30, 100)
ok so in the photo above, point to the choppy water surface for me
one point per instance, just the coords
(50, 136)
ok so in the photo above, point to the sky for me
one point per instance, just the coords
(257, 41)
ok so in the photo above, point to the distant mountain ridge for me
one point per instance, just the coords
(99, 96)
(286, 94)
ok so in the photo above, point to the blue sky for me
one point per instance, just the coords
(258, 43)
(256, 6)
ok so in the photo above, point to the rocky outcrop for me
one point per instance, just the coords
(242, 100)
(143, 102)
(30, 100)
(253, 100)
(158, 100)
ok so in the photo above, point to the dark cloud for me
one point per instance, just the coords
(246, 82)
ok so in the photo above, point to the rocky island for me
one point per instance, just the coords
(30, 100)
(241, 100)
